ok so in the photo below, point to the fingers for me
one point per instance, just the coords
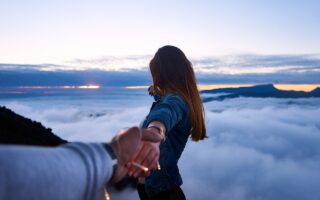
(150, 136)
(138, 170)
(148, 157)
(151, 160)
(125, 144)
(143, 149)
(155, 163)
(144, 152)
(142, 174)
(129, 166)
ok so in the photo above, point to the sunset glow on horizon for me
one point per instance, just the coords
(89, 87)
(62, 87)
(297, 87)
(201, 87)
(288, 87)
(137, 87)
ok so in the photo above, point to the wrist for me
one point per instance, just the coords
(160, 130)
(110, 150)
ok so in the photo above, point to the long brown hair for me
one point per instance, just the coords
(172, 72)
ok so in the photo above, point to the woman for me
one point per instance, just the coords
(176, 114)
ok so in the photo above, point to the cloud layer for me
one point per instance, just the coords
(229, 64)
(255, 64)
(249, 68)
(258, 149)
(256, 152)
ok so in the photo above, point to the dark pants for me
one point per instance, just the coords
(174, 194)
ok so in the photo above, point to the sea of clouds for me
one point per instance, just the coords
(258, 148)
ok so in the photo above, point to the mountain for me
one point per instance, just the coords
(316, 91)
(16, 129)
(267, 90)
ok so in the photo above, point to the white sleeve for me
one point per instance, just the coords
(74, 171)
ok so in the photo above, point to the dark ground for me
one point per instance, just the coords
(16, 129)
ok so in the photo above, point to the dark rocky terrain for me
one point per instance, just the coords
(16, 129)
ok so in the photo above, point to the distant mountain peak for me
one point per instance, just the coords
(265, 87)
(261, 91)
(317, 90)
(269, 85)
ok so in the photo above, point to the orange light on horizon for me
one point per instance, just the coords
(219, 86)
(69, 87)
(89, 87)
(62, 87)
(201, 87)
(137, 87)
(294, 87)
(34, 87)
(297, 87)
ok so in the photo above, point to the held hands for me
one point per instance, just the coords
(137, 152)
(148, 155)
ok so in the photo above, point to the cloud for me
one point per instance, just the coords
(229, 64)
(259, 69)
(253, 60)
(98, 122)
(59, 78)
(110, 63)
(252, 78)
(258, 148)
(103, 63)
(223, 69)
(24, 67)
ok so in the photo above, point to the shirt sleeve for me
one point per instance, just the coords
(71, 171)
(170, 111)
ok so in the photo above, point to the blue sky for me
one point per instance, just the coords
(60, 31)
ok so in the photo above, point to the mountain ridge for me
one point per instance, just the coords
(263, 91)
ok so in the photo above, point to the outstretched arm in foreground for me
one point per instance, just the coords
(72, 171)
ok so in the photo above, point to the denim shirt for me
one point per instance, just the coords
(173, 112)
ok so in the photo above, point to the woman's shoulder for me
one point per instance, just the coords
(173, 98)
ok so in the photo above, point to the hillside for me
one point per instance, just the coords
(261, 91)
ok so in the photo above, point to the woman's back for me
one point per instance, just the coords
(178, 114)
(172, 110)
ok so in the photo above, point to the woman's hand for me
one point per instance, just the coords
(149, 153)
(127, 146)
(147, 156)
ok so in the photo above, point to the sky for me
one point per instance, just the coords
(66, 31)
